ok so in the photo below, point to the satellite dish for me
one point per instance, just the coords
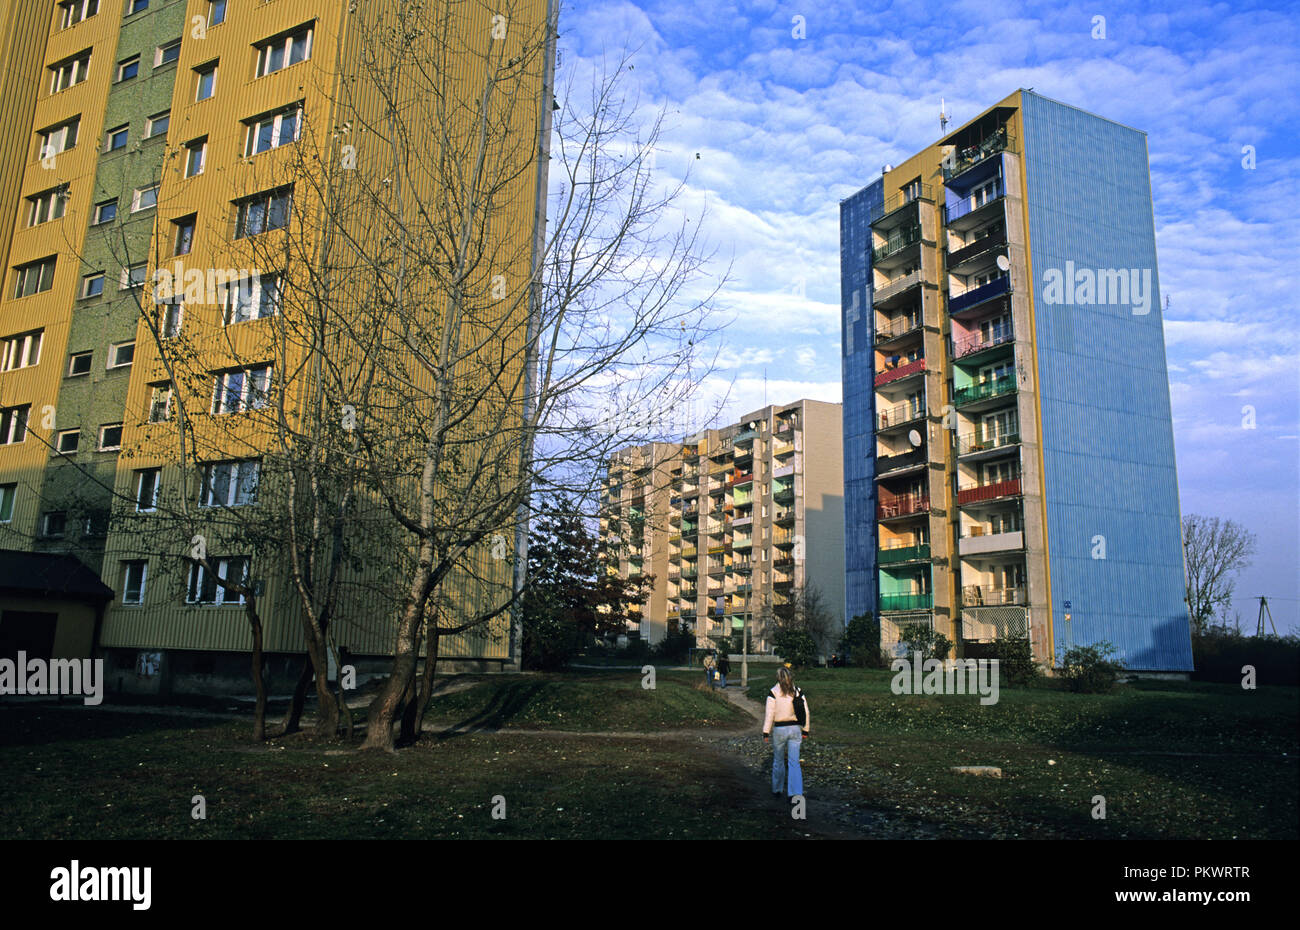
(914, 438)
(1003, 263)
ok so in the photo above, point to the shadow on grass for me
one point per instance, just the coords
(506, 704)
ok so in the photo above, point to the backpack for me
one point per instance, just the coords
(800, 708)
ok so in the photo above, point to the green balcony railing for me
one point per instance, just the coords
(993, 388)
(903, 554)
(906, 601)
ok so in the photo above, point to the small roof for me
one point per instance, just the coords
(50, 574)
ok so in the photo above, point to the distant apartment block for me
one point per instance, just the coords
(1009, 455)
(731, 522)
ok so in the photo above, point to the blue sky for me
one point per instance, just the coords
(786, 127)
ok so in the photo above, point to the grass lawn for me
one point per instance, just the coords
(1171, 759)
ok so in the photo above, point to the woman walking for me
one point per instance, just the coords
(786, 731)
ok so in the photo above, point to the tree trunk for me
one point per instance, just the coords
(327, 706)
(388, 703)
(259, 712)
(426, 683)
(293, 716)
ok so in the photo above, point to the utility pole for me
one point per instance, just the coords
(1264, 612)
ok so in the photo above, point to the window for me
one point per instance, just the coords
(272, 130)
(216, 12)
(241, 389)
(116, 138)
(282, 51)
(92, 285)
(128, 68)
(70, 71)
(203, 586)
(144, 198)
(54, 523)
(95, 525)
(195, 153)
(56, 139)
(7, 494)
(167, 54)
(146, 489)
(996, 372)
(205, 81)
(79, 363)
(251, 299)
(230, 484)
(169, 323)
(157, 124)
(160, 402)
(912, 190)
(121, 354)
(34, 277)
(13, 424)
(136, 6)
(74, 11)
(65, 442)
(110, 437)
(105, 212)
(47, 205)
(134, 276)
(134, 573)
(21, 351)
(262, 212)
(183, 240)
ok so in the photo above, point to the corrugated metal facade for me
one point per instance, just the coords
(1110, 483)
(858, 373)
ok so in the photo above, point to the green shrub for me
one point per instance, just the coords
(860, 643)
(1016, 664)
(795, 646)
(549, 644)
(1219, 654)
(922, 638)
(1090, 669)
(675, 647)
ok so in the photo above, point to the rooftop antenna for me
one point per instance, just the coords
(943, 116)
(1264, 612)
(764, 385)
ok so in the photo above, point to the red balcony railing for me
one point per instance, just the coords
(988, 492)
(902, 371)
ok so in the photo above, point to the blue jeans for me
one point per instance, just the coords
(786, 774)
(723, 679)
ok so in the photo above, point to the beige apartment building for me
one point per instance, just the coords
(732, 523)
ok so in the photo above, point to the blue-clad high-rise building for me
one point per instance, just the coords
(1008, 444)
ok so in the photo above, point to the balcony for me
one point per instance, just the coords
(978, 295)
(988, 492)
(974, 443)
(888, 463)
(966, 206)
(745, 542)
(906, 602)
(783, 517)
(899, 415)
(783, 539)
(784, 448)
(897, 554)
(899, 327)
(783, 471)
(979, 248)
(688, 552)
(902, 506)
(995, 387)
(742, 521)
(897, 241)
(783, 495)
(898, 201)
(977, 342)
(902, 371)
(974, 595)
(888, 291)
(984, 544)
(972, 155)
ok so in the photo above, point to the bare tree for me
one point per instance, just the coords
(1214, 550)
